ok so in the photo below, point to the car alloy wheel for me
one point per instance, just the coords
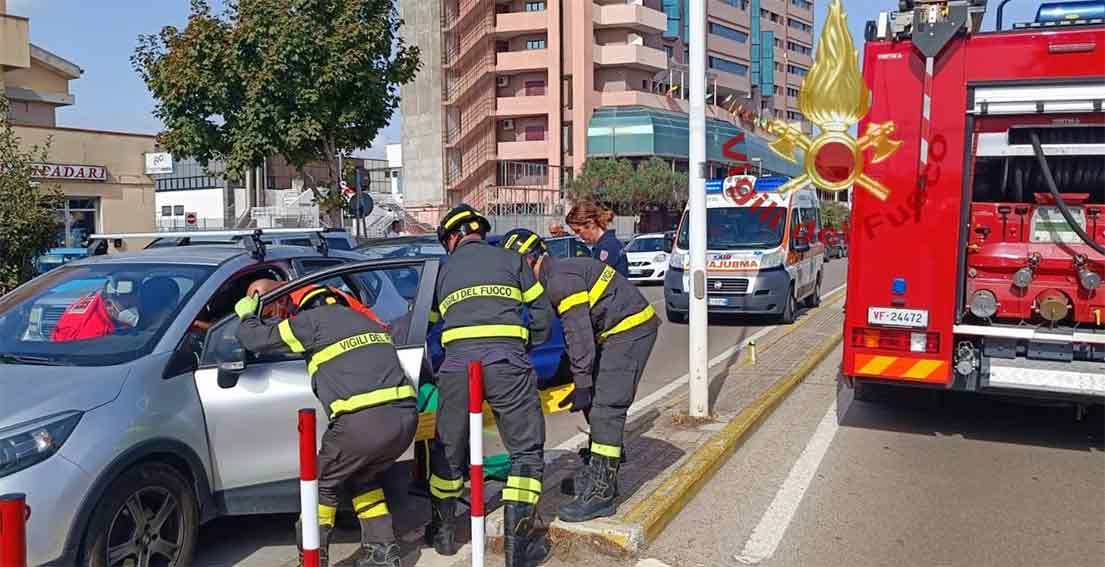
(147, 531)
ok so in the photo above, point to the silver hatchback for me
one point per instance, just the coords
(129, 413)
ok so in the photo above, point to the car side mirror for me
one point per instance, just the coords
(801, 240)
(230, 371)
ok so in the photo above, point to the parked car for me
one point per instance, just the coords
(160, 421)
(568, 247)
(403, 246)
(648, 256)
(336, 239)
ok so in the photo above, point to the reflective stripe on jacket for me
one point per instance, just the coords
(481, 292)
(595, 303)
(350, 358)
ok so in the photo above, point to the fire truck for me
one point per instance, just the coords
(982, 268)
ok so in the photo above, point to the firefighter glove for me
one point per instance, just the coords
(247, 306)
(580, 400)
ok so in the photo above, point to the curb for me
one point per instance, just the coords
(650, 516)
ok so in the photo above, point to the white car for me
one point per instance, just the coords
(648, 256)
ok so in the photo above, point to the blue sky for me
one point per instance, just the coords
(100, 35)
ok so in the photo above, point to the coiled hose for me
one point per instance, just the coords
(1049, 181)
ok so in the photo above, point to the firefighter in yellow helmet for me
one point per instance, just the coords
(355, 373)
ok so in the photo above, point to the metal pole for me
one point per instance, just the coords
(308, 487)
(699, 383)
(475, 470)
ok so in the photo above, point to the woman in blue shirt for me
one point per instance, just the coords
(589, 222)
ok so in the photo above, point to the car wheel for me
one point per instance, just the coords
(789, 309)
(148, 517)
(815, 298)
(676, 317)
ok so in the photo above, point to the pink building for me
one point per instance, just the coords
(513, 95)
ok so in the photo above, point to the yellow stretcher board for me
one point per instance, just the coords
(551, 398)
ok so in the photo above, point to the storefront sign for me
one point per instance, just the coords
(159, 163)
(70, 172)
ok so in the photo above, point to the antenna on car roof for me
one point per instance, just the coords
(319, 243)
(255, 246)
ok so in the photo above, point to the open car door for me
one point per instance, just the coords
(250, 402)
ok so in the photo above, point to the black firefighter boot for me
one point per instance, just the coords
(442, 531)
(524, 544)
(378, 547)
(323, 543)
(597, 500)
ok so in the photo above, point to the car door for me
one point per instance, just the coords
(251, 421)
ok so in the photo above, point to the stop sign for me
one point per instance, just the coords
(190, 219)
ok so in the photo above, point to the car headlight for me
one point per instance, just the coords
(660, 258)
(772, 259)
(679, 260)
(35, 441)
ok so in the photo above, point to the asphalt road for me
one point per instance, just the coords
(268, 541)
(910, 480)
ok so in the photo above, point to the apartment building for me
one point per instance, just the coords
(514, 95)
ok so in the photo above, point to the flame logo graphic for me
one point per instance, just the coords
(833, 94)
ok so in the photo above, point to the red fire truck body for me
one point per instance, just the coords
(968, 276)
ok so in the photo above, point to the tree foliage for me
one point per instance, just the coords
(28, 212)
(629, 188)
(304, 79)
(834, 214)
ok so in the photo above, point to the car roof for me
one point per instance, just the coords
(209, 255)
(399, 240)
(651, 235)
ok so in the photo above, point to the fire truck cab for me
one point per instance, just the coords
(982, 269)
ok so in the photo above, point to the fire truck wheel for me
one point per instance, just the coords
(149, 515)
(789, 309)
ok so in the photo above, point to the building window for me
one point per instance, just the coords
(795, 116)
(535, 43)
(778, 43)
(166, 211)
(535, 133)
(535, 7)
(728, 33)
(742, 4)
(670, 51)
(78, 221)
(178, 210)
(799, 25)
(728, 66)
(686, 56)
(778, 66)
(804, 4)
(791, 91)
(799, 48)
(796, 70)
(535, 88)
(673, 9)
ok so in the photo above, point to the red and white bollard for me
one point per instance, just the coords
(14, 514)
(475, 451)
(308, 487)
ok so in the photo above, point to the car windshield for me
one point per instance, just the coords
(403, 249)
(650, 244)
(735, 228)
(94, 315)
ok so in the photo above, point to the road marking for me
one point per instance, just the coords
(644, 403)
(765, 538)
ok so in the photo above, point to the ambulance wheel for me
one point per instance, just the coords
(789, 309)
(148, 516)
(815, 298)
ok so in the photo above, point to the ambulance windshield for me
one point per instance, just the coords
(738, 228)
(94, 315)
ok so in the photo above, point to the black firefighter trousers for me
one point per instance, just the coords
(356, 449)
(618, 369)
(510, 388)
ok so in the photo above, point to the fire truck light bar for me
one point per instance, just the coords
(1060, 12)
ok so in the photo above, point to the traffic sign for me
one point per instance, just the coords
(190, 219)
(361, 205)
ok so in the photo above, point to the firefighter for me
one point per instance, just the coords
(482, 291)
(355, 373)
(609, 332)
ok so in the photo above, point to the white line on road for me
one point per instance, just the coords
(765, 538)
(644, 403)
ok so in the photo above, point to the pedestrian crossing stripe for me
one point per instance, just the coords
(904, 367)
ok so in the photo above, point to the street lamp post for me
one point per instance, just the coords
(698, 351)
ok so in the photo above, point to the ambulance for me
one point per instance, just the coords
(764, 254)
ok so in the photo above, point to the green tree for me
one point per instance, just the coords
(303, 79)
(28, 212)
(834, 214)
(626, 188)
(659, 185)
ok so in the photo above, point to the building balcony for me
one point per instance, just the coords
(517, 23)
(511, 62)
(630, 55)
(630, 16)
(15, 47)
(530, 149)
(513, 106)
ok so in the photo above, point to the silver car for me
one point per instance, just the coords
(130, 414)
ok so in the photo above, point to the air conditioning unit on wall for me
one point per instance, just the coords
(503, 81)
(507, 124)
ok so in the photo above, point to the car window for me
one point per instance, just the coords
(649, 244)
(95, 314)
(337, 243)
(309, 266)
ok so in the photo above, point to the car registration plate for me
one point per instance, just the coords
(717, 301)
(890, 317)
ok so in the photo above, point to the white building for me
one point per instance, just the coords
(395, 170)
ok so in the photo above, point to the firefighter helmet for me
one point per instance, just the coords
(464, 219)
(315, 296)
(525, 242)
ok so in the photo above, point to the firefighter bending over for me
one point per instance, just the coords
(355, 372)
(609, 331)
(482, 291)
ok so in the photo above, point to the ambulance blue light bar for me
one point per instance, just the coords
(1070, 11)
(770, 183)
